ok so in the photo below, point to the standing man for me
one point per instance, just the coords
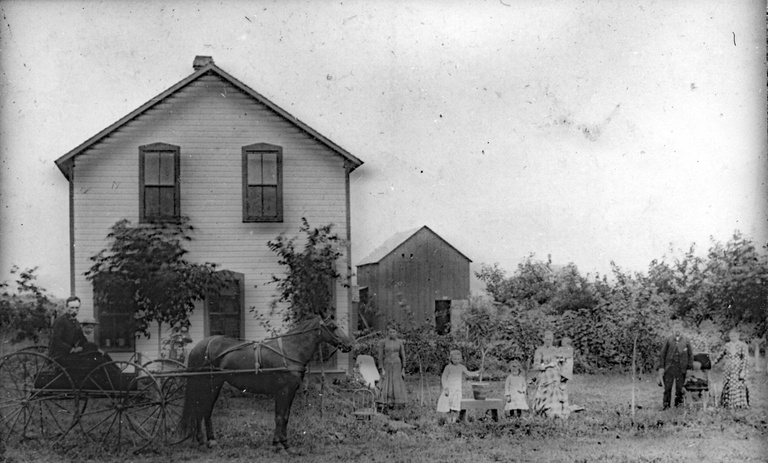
(676, 357)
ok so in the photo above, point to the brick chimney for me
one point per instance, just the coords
(201, 62)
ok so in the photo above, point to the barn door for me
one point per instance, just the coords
(443, 316)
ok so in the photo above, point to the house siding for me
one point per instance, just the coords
(210, 120)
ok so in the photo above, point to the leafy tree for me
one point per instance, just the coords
(482, 328)
(739, 282)
(728, 286)
(27, 312)
(308, 284)
(144, 269)
(497, 285)
(571, 290)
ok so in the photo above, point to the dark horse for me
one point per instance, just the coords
(274, 366)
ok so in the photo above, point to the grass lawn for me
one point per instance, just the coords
(603, 432)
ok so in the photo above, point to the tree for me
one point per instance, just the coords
(482, 328)
(308, 284)
(26, 313)
(144, 270)
(729, 285)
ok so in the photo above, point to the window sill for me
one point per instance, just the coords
(265, 219)
(117, 349)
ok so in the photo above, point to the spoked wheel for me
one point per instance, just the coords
(39, 348)
(124, 406)
(38, 400)
(169, 374)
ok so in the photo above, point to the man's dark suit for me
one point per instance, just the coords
(67, 333)
(676, 357)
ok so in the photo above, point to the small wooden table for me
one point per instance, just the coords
(494, 405)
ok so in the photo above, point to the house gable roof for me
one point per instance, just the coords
(65, 162)
(396, 241)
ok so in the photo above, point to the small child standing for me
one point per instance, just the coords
(450, 400)
(515, 390)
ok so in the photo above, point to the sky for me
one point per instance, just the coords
(591, 131)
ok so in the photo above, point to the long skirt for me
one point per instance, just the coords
(735, 393)
(551, 398)
(392, 385)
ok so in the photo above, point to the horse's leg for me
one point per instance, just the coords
(215, 389)
(283, 402)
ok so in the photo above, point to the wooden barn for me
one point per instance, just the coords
(414, 273)
(242, 169)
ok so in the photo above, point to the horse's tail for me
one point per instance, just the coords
(197, 391)
(191, 414)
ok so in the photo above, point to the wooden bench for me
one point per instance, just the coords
(494, 405)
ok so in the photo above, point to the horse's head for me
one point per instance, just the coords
(332, 334)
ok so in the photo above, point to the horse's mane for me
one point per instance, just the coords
(303, 325)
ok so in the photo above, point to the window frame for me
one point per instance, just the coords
(263, 148)
(157, 147)
(239, 278)
(102, 333)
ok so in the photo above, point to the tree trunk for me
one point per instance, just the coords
(322, 381)
(634, 374)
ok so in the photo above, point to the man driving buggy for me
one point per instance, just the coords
(70, 347)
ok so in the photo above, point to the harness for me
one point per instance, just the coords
(258, 346)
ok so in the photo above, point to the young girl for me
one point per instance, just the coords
(515, 390)
(450, 400)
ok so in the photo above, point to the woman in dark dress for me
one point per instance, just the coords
(392, 361)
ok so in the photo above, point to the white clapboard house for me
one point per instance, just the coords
(239, 167)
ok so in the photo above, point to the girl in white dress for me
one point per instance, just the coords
(515, 389)
(450, 400)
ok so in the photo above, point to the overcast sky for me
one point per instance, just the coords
(589, 130)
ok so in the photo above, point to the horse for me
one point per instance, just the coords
(274, 366)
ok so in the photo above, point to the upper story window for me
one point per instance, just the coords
(262, 183)
(159, 182)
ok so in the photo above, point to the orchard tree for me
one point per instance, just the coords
(308, 284)
(26, 313)
(729, 286)
(739, 282)
(144, 269)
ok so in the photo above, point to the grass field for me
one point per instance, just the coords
(603, 432)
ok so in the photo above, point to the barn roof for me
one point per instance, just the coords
(395, 241)
(203, 65)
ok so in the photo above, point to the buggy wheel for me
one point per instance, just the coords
(169, 374)
(38, 400)
(39, 348)
(123, 406)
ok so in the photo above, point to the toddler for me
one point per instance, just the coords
(515, 390)
(450, 400)
(696, 378)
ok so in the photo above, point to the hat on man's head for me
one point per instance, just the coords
(88, 321)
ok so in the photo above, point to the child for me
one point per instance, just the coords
(450, 400)
(696, 379)
(515, 390)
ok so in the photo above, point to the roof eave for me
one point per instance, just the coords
(64, 163)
